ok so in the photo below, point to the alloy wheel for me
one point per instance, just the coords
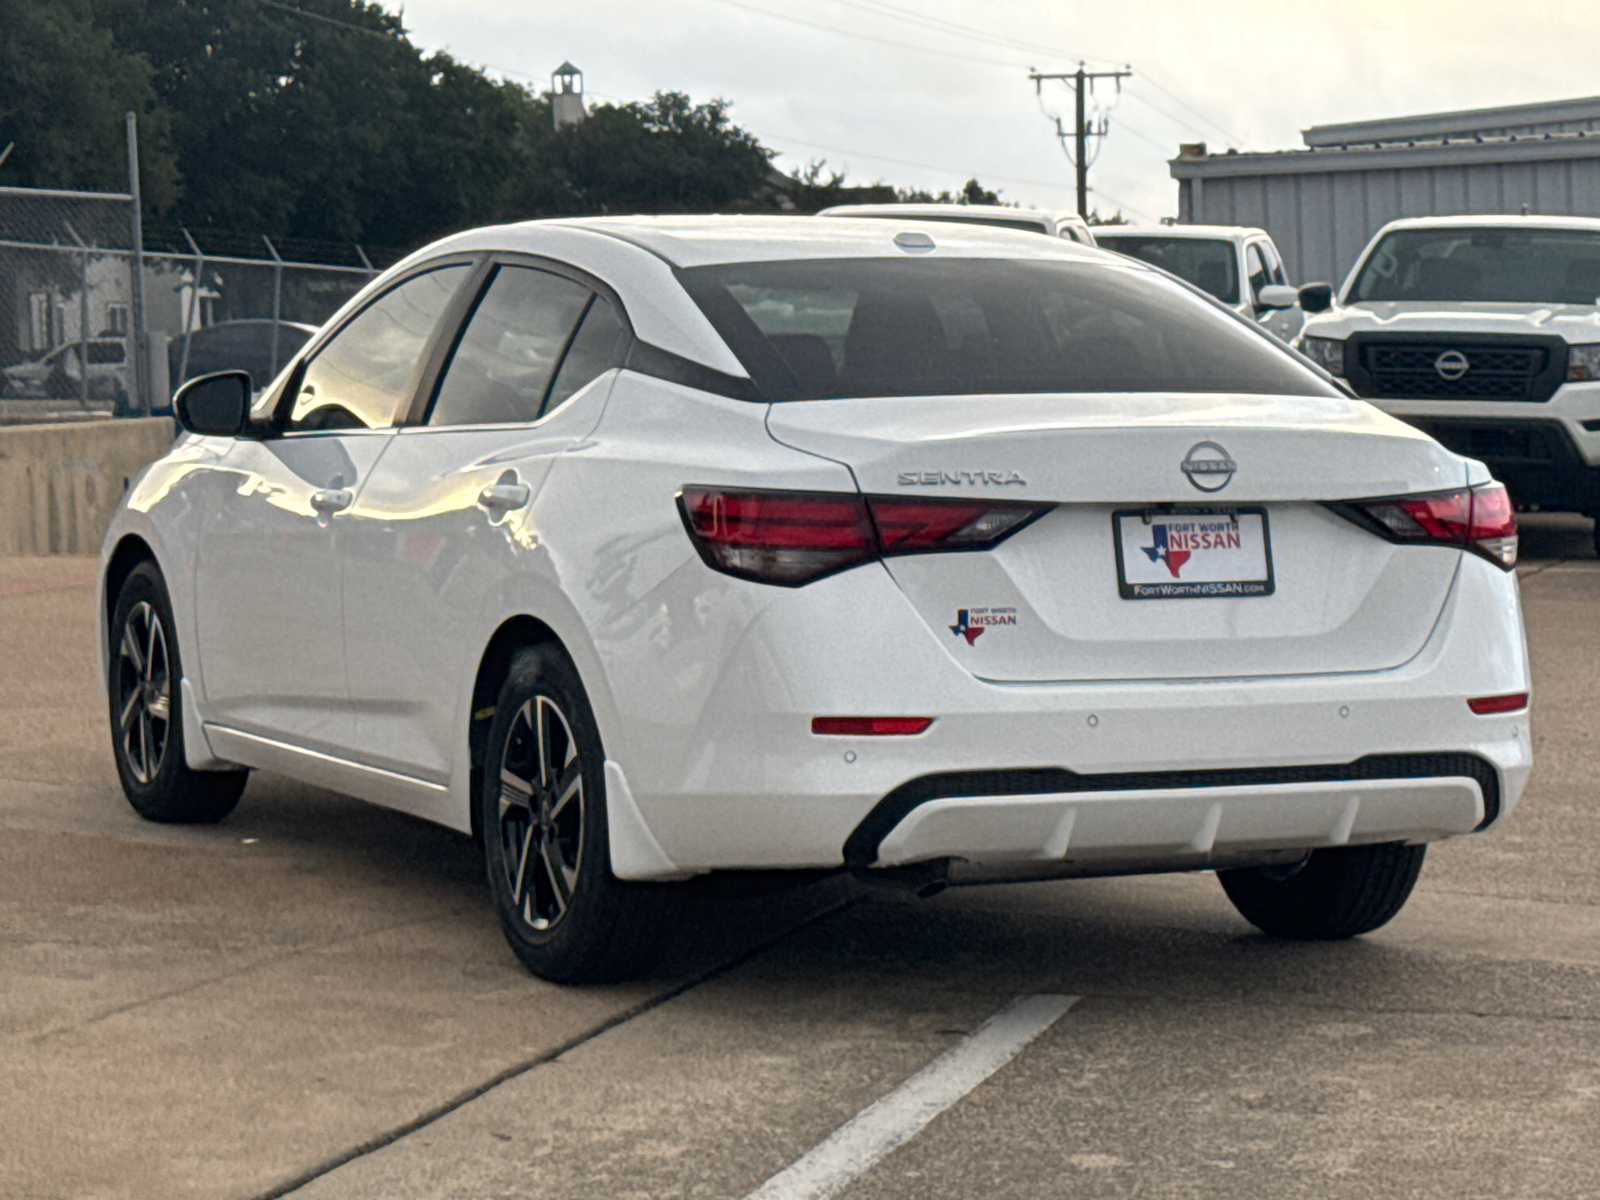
(541, 813)
(144, 692)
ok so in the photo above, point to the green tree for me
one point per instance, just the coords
(64, 87)
(666, 154)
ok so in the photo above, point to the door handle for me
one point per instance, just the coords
(332, 500)
(503, 497)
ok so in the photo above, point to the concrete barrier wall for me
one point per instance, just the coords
(60, 483)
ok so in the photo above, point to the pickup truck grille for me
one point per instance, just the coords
(1409, 371)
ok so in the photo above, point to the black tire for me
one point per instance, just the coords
(566, 916)
(147, 712)
(1336, 893)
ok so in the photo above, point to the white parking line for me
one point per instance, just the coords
(897, 1118)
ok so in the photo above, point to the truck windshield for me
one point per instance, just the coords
(836, 328)
(1211, 264)
(1459, 264)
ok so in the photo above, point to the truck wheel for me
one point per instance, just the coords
(1335, 893)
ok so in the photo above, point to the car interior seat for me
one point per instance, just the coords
(1212, 277)
(1583, 282)
(892, 338)
(808, 356)
(1446, 279)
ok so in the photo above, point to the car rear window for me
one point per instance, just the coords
(839, 328)
(1491, 264)
(1211, 264)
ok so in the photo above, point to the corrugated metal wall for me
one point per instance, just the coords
(1323, 206)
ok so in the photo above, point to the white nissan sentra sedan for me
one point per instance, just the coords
(650, 547)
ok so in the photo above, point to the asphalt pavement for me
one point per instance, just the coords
(313, 999)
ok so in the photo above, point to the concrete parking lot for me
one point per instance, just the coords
(313, 998)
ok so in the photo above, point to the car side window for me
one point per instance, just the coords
(1255, 269)
(363, 377)
(501, 369)
(1275, 274)
(600, 344)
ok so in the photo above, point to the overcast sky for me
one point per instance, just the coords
(929, 92)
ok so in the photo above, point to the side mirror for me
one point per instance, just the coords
(217, 405)
(1316, 297)
(1277, 295)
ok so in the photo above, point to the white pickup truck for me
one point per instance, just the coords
(1237, 264)
(1485, 333)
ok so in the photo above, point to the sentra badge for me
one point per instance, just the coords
(971, 622)
(969, 478)
(1208, 466)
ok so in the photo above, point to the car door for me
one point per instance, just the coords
(444, 518)
(268, 580)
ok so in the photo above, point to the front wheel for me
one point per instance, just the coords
(147, 712)
(1333, 894)
(542, 810)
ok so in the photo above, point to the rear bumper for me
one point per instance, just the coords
(1083, 831)
(747, 785)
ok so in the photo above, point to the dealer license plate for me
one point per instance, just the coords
(1184, 553)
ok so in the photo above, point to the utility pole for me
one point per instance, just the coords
(1079, 81)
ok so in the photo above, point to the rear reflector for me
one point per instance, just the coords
(1485, 705)
(791, 538)
(870, 726)
(1479, 519)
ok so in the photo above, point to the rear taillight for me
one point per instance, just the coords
(1480, 519)
(791, 538)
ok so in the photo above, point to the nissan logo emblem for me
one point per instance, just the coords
(1208, 466)
(1451, 365)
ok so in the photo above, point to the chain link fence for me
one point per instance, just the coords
(78, 339)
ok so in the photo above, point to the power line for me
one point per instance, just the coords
(894, 12)
(867, 37)
(1232, 137)
(906, 162)
(311, 16)
(939, 24)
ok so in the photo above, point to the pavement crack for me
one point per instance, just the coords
(545, 1057)
(209, 980)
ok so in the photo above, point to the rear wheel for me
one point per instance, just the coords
(1334, 893)
(147, 712)
(543, 815)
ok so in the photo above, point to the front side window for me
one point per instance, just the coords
(835, 328)
(363, 377)
(504, 363)
(1256, 270)
(1493, 264)
(1211, 264)
(1269, 255)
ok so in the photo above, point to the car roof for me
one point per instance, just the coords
(1495, 221)
(1179, 231)
(694, 241)
(966, 212)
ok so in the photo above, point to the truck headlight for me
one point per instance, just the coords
(1328, 353)
(1583, 362)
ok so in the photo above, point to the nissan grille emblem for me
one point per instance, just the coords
(1208, 467)
(1451, 365)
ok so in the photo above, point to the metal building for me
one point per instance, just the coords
(1322, 204)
